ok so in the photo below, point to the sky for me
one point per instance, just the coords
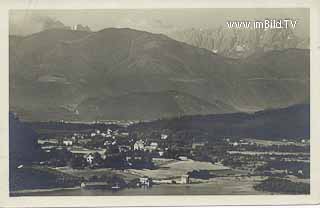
(24, 22)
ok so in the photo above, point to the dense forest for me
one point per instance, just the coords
(292, 122)
(283, 186)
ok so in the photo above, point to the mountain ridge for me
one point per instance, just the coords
(273, 124)
(67, 70)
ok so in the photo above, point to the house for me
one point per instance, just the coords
(244, 143)
(90, 158)
(185, 179)
(148, 148)
(124, 148)
(109, 133)
(154, 145)
(161, 153)
(183, 158)
(235, 144)
(164, 136)
(196, 145)
(145, 181)
(84, 141)
(67, 142)
(215, 50)
(138, 145)
(51, 141)
(124, 134)
(133, 158)
(93, 134)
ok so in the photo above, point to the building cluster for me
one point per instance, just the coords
(117, 148)
(108, 143)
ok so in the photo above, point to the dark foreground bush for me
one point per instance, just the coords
(41, 178)
(284, 186)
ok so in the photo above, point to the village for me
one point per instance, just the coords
(115, 158)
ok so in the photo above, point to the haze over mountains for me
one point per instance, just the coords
(135, 75)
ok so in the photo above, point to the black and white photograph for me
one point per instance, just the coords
(159, 102)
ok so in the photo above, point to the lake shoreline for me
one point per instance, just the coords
(30, 191)
(199, 187)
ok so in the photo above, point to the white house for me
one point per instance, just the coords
(235, 144)
(185, 179)
(67, 142)
(124, 148)
(138, 145)
(109, 131)
(124, 134)
(197, 144)
(90, 158)
(145, 181)
(164, 136)
(183, 158)
(161, 153)
(153, 145)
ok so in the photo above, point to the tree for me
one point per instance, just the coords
(23, 145)
(97, 159)
(78, 162)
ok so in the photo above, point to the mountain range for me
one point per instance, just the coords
(128, 74)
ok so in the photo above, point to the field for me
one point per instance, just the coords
(86, 151)
(176, 168)
(87, 173)
(267, 153)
